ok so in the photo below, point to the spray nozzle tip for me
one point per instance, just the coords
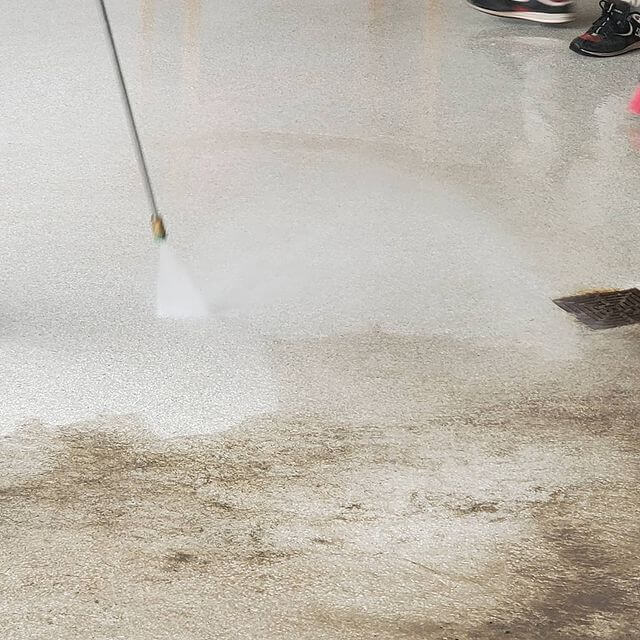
(157, 228)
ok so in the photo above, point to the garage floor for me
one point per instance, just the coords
(339, 403)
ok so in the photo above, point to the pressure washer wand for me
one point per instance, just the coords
(157, 225)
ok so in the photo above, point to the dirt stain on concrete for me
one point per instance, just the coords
(513, 517)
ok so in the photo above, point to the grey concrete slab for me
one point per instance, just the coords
(340, 402)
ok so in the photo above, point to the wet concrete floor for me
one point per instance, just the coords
(373, 422)
(509, 513)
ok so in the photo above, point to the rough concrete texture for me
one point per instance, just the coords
(514, 512)
(374, 422)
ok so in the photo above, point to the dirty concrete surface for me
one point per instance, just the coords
(513, 510)
(382, 427)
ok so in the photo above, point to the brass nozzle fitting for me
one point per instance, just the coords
(157, 228)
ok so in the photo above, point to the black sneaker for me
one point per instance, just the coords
(548, 11)
(615, 32)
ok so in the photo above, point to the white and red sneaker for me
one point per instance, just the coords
(615, 32)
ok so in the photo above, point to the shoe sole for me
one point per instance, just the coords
(533, 16)
(610, 54)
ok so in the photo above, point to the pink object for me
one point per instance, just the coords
(634, 105)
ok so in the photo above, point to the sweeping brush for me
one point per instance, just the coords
(157, 225)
